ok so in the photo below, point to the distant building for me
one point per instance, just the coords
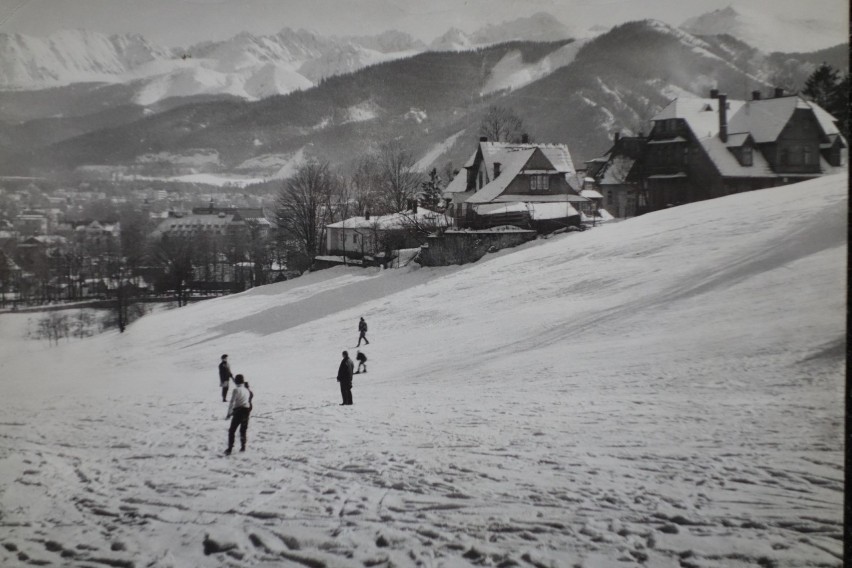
(524, 184)
(616, 176)
(31, 223)
(357, 237)
(213, 221)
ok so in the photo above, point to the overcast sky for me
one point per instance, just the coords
(184, 22)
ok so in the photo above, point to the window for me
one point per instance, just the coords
(539, 183)
(747, 156)
(808, 156)
(480, 180)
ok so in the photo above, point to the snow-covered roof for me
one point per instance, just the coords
(737, 140)
(674, 140)
(458, 184)
(511, 164)
(591, 194)
(537, 211)
(764, 119)
(387, 222)
(543, 211)
(728, 164)
(616, 171)
(702, 115)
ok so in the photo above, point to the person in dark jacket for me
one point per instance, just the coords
(225, 377)
(362, 362)
(362, 332)
(238, 412)
(344, 377)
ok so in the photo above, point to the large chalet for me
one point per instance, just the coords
(702, 148)
(523, 184)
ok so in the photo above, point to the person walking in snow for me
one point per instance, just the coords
(362, 362)
(238, 412)
(362, 329)
(225, 377)
(344, 377)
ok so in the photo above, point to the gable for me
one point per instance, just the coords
(538, 161)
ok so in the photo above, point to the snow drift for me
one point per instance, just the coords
(662, 388)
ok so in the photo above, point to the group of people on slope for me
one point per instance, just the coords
(240, 406)
(347, 367)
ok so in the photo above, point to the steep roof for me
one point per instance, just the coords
(702, 115)
(511, 164)
(764, 119)
(503, 152)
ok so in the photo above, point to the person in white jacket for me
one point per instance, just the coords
(238, 412)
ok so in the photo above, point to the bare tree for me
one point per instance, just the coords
(399, 180)
(174, 256)
(364, 185)
(303, 205)
(501, 124)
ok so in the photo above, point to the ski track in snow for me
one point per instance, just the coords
(585, 420)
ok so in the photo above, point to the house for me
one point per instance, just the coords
(701, 148)
(357, 237)
(523, 184)
(616, 177)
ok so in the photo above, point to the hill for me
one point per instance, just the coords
(661, 388)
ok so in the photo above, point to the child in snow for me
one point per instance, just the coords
(362, 362)
(238, 412)
(224, 377)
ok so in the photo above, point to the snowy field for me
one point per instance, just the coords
(665, 391)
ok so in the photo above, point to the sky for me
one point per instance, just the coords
(181, 23)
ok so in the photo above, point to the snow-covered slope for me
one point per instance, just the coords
(664, 388)
(770, 32)
(72, 56)
(537, 27)
(512, 72)
(246, 65)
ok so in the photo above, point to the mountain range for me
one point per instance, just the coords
(246, 65)
(578, 92)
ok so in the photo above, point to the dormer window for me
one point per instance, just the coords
(539, 183)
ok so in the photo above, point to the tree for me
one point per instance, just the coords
(364, 185)
(838, 105)
(827, 89)
(429, 195)
(399, 179)
(302, 206)
(501, 124)
(820, 86)
(174, 256)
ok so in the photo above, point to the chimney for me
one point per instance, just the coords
(723, 117)
(755, 95)
(714, 93)
(367, 215)
(616, 137)
(496, 170)
(779, 92)
(525, 138)
(483, 138)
